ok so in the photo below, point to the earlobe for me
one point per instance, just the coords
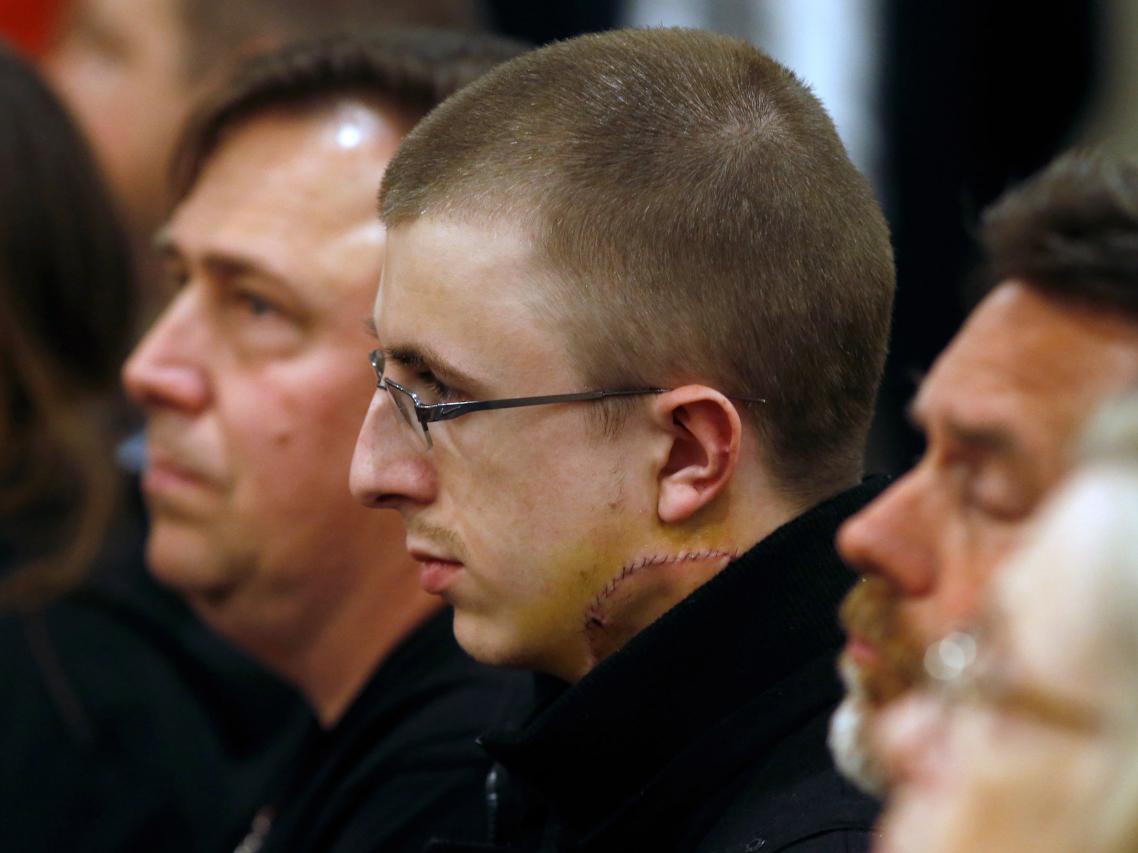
(705, 434)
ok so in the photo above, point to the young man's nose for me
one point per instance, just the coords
(391, 468)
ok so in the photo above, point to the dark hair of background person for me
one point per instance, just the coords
(968, 110)
(66, 312)
(1071, 231)
(408, 70)
(698, 193)
(219, 29)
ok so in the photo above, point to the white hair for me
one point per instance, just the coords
(1109, 460)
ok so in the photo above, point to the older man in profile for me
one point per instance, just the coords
(1057, 334)
(132, 71)
(253, 383)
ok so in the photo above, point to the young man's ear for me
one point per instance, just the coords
(705, 432)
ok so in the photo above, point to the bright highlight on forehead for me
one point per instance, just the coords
(354, 122)
(349, 135)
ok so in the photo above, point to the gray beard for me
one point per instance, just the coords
(850, 741)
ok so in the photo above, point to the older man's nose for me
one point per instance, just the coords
(167, 368)
(891, 538)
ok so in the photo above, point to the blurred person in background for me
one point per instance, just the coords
(67, 300)
(122, 725)
(1057, 334)
(254, 381)
(28, 25)
(131, 71)
(1026, 735)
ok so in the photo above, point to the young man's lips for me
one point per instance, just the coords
(435, 571)
(435, 575)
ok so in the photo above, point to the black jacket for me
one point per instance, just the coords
(403, 764)
(126, 725)
(707, 731)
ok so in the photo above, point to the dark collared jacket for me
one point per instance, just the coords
(707, 731)
(402, 764)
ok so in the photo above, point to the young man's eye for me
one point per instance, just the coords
(437, 390)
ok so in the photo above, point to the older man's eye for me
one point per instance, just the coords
(256, 304)
(1000, 499)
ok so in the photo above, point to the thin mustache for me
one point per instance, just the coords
(448, 540)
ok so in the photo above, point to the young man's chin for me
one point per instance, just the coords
(478, 640)
(488, 643)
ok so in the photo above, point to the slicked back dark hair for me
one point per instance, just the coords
(216, 31)
(1071, 231)
(409, 71)
(700, 219)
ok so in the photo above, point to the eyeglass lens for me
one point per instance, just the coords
(406, 407)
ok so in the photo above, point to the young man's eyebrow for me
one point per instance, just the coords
(369, 327)
(425, 357)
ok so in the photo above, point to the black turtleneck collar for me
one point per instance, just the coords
(766, 616)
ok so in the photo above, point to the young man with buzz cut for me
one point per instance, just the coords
(631, 324)
(253, 383)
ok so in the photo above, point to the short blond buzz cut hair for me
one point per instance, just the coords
(701, 220)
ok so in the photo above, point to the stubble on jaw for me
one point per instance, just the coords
(643, 590)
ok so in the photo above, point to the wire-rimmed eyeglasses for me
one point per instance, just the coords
(417, 414)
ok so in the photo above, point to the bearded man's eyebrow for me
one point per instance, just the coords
(989, 437)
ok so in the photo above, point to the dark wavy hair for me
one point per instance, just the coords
(1071, 231)
(408, 70)
(67, 302)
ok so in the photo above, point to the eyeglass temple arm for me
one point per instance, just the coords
(446, 411)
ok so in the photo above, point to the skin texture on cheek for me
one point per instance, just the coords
(557, 614)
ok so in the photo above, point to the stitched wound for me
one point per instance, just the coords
(599, 616)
